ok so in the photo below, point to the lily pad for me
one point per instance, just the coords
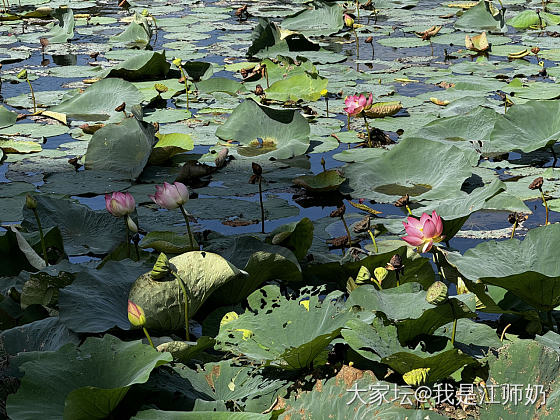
(7, 118)
(324, 181)
(169, 145)
(146, 65)
(322, 19)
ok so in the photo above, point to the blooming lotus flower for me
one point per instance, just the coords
(119, 204)
(425, 232)
(170, 196)
(136, 314)
(355, 104)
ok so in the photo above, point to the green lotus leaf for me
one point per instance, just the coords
(322, 19)
(280, 69)
(303, 86)
(410, 311)
(297, 236)
(202, 272)
(136, 35)
(267, 132)
(527, 127)
(261, 261)
(183, 351)
(167, 242)
(383, 109)
(88, 395)
(529, 18)
(43, 288)
(123, 148)
(145, 65)
(7, 118)
(526, 365)
(169, 145)
(482, 17)
(64, 30)
(403, 170)
(471, 337)
(286, 333)
(83, 229)
(245, 386)
(19, 146)
(525, 268)
(324, 181)
(96, 300)
(198, 70)
(99, 101)
(331, 398)
(265, 34)
(220, 84)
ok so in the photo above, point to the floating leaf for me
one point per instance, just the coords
(324, 181)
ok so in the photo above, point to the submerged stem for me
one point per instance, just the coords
(43, 245)
(191, 238)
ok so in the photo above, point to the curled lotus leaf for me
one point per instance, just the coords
(325, 181)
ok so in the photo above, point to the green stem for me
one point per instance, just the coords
(545, 206)
(373, 240)
(262, 205)
(358, 9)
(513, 230)
(43, 245)
(327, 102)
(186, 85)
(453, 331)
(137, 252)
(347, 231)
(32, 95)
(357, 45)
(127, 237)
(185, 298)
(191, 238)
(408, 209)
(348, 122)
(148, 337)
(367, 128)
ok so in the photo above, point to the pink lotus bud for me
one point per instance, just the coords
(119, 204)
(136, 314)
(170, 196)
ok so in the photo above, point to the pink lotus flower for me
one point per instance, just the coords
(355, 104)
(119, 204)
(170, 196)
(425, 232)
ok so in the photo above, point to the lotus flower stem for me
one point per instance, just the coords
(186, 84)
(408, 209)
(347, 230)
(454, 330)
(32, 95)
(185, 298)
(43, 245)
(327, 104)
(504, 332)
(367, 128)
(348, 121)
(127, 236)
(266, 75)
(191, 239)
(545, 206)
(513, 230)
(357, 45)
(358, 9)
(262, 205)
(148, 337)
(373, 240)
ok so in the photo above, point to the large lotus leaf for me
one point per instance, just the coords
(523, 366)
(323, 19)
(475, 125)
(265, 34)
(410, 311)
(473, 338)
(169, 145)
(337, 398)
(267, 132)
(527, 127)
(42, 288)
(324, 181)
(13, 258)
(220, 84)
(527, 18)
(288, 333)
(107, 367)
(202, 272)
(482, 17)
(7, 118)
(145, 65)
(123, 148)
(380, 343)
(529, 269)
(423, 169)
(195, 415)
(64, 30)
(303, 86)
(97, 299)
(282, 68)
(262, 261)
(297, 236)
(198, 70)
(456, 210)
(47, 334)
(99, 101)
(136, 35)
(83, 230)
(243, 386)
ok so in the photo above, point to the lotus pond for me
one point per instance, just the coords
(273, 209)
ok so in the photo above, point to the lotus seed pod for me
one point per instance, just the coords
(364, 276)
(230, 316)
(416, 377)
(380, 273)
(161, 267)
(437, 293)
